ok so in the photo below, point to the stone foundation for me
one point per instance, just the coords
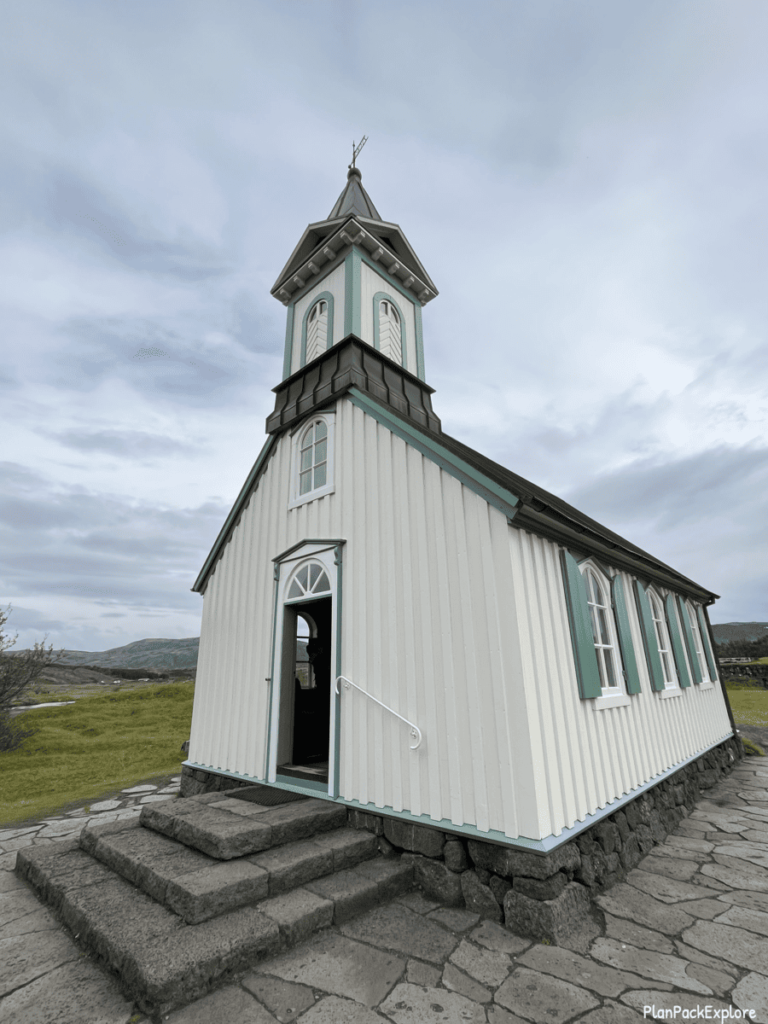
(546, 896)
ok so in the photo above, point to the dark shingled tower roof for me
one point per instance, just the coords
(354, 199)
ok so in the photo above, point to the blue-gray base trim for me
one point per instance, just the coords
(540, 846)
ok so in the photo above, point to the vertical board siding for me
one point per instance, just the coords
(584, 758)
(422, 632)
(428, 628)
(453, 619)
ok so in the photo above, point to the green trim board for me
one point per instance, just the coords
(352, 293)
(688, 637)
(580, 622)
(540, 846)
(276, 587)
(338, 556)
(419, 338)
(328, 297)
(288, 356)
(303, 543)
(403, 336)
(242, 497)
(490, 491)
(631, 675)
(677, 642)
(648, 631)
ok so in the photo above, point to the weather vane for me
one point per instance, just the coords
(356, 150)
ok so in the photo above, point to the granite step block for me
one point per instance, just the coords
(355, 890)
(294, 864)
(146, 859)
(392, 876)
(221, 833)
(290, 822)
(348, 846)
(211, 891)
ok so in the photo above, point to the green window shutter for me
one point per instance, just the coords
(677, 642)
(582, 639)
(649, 637)
(705, 642)
(625, 636)
(688, 637)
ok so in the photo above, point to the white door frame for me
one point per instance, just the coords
(328, 553)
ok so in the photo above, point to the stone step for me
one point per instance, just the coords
(225, 828)
(163, 963)
(198, 887)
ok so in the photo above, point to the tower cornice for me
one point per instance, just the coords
(341, 236)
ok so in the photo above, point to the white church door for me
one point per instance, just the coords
(303, 701)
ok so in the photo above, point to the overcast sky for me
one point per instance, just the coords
(585, 182)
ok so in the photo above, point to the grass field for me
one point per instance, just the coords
(748, 703)
(101, 743)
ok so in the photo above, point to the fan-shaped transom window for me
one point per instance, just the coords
(310, 581)
(662, 640)
(697, 643)
(602, 631)
(313, 457)
(317, 330)
(390, 331)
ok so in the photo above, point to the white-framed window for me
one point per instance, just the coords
(317, 330)
(605, 639)
(310, 581)
(390, 331)
(312, 460)
(663, 642)
(698, 646)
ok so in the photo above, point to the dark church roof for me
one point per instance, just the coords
(354, 199)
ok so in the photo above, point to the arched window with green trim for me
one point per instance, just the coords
(317, 328)
(389, 328)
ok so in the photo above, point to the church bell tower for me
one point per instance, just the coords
(354, 274)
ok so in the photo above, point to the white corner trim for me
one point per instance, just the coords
(611, 700)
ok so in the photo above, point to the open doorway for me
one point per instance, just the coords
(306, 690)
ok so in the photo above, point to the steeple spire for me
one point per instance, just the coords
(354, 199)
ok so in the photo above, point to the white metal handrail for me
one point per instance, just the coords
(415, 730)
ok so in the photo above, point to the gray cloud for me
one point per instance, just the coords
(585, 183)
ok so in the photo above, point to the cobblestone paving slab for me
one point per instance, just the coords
(339, 966)
(412, 1004)
(402, 931)
(543, 999)
(752, 994)
(59, 997)
(231, 1004)
(285, 999)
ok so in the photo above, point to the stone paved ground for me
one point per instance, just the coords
(688, 929)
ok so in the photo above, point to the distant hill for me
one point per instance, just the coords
(150, 654)
(164, 655)
(727, 632)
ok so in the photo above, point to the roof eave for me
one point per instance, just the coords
(353, 231)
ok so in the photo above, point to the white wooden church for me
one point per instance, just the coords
(395, 622)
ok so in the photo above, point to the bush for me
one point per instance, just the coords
(17, 671)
